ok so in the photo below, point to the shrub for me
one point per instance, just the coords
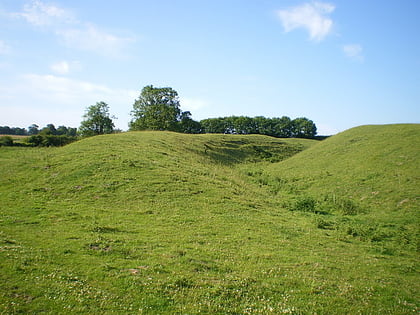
(6, 141)
(305, 204)
(343, 205)
(46, 140)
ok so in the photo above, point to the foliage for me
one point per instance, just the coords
(159, 109)
(97, 120)
(306, 204)
(156, 109)
(49, 140)
(6, 141)
(282, 127)
(188, 125)
(34, 130)
(302, 128)
(6, 130)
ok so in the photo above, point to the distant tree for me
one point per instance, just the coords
(156, 109)
(72, 132)
(214, 125)
(281, 127)
(188, 125)
(62, 130)
(49, 130)
(33, 129)
(5, 130)
(97, 120)
(263, 126)
(19, 131)
(303, 128)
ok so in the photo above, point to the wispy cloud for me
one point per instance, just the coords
(91, 38)
(67, 90)
(41, 14)
(313, 17)
(354, 51)
(59, 99)
(70, 31)
(65, 67)
(4, 48)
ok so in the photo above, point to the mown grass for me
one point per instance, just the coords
(165, 223)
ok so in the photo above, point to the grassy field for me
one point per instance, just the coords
(166, 223)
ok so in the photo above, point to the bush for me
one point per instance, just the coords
(305, 204)
(46, 140)
(6, 141)
(344, 206)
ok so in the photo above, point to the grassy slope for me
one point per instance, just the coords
(370, 171)
(171, 223)
(366, 163)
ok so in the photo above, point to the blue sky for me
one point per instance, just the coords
(340, 63)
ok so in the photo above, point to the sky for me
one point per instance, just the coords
(340, 63)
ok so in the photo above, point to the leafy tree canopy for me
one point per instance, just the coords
(159, 109)
(282, 127)
(97, 120)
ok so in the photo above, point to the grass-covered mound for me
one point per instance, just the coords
(369, 172)
(378, 165)
(164, 223)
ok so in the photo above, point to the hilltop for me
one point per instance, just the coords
(160, 222)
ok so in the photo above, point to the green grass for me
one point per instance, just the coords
(166, 223)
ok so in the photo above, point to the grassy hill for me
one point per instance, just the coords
(164, 223)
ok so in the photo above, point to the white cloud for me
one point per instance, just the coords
(59, 100)
(61, 67)
(312, 17)
(90, 38)
(4, 48)
(41, 14)
(354, 51)
(68, 91)
(65, 67)
(71, 32)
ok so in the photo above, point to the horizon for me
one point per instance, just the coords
(339, 64)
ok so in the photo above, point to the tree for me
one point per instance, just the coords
(62, 130)
(213, 125)
(97, 120)
(33, 129)
(188, 125)
(282, 127)
(49, 130)
(303, 128)
(156, 109)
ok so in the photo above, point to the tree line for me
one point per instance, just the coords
(46, 136)
(160, 109)
(283, 127)
(35, 130)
